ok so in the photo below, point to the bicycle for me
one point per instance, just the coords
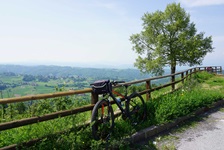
(102, 120)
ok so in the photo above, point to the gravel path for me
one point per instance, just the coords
(207, 133)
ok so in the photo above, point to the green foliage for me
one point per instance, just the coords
(41, 78)
(2, 86)
(64, 133)
(28, 78)
(202, 76)
(183, 103)
(188, 99)
(168, 39)
(20, 107)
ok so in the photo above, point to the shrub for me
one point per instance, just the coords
(202, 76)
(182, 103)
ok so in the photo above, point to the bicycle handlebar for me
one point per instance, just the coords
(106, 81)
(117, 82)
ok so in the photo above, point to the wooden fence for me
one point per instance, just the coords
(182, 76)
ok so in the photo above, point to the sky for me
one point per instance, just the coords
(92, 32)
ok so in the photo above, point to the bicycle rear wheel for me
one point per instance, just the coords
(136, 108)
(102, 121)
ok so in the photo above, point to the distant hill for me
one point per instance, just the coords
(65, 71)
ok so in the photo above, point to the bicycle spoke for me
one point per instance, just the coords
(103, 120)
(136, 109)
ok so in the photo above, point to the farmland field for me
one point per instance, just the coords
(15, 86)
(18, 80)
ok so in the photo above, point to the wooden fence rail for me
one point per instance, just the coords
(94, 98)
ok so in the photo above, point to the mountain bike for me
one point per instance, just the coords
(132, 107)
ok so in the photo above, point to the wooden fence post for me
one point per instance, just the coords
(173, 80)
(182, 77)
(195, 70)
(94, 98)
(148, 86)
(190, 73)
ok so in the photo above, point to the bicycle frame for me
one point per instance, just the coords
(111, 94)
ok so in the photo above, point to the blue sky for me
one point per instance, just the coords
(92, 31)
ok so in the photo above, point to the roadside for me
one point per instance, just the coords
(205, 132)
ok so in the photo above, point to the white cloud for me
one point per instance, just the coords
(197, 3)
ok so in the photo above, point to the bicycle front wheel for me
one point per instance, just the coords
(102, 121)
(136, 108)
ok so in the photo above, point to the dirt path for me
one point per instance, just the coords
(206, 133)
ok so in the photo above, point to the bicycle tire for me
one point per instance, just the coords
(136, 108)
(102, 120)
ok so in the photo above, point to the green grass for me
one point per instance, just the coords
(161, 109)
(42, 129)
(35, 87)
(184, 102)
(26, 90)
(11, 79)
(160, 92)
(222, 109)
(191, 97)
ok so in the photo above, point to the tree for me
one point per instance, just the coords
(169, 39)
(2, 86)
(28, 78)
(41, 78)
